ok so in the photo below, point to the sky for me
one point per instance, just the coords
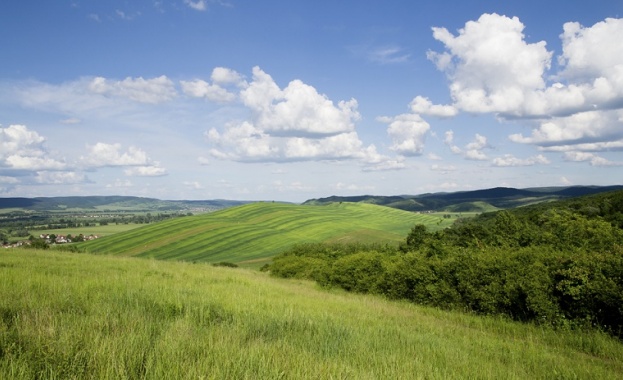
(292, 100)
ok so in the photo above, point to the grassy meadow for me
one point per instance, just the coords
(251, 234)
(65, 315)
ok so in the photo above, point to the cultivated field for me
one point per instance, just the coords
(98, 230)
(255, 232)
(65, 315)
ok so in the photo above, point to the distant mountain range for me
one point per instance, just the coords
(103, 203)
(472, 201)
(462, 201)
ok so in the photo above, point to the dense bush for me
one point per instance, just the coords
(561, 265)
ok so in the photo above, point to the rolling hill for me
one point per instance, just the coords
(471, 201)
(257, 231)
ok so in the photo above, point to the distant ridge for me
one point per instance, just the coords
(476, 200)
(464, 201)
(115, 202)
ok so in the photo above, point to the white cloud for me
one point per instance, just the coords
(579, 128)
(385, 165)
(408, 133)
(198, 5)
(60, 178)
(491, 67)
(33, 163)
(102, 154)
(145, 171)
(509, 160)
(226, 76)
(296, 110)
(388, 55)
(591, 158)
(202, 89)
(23, 149)
(472, 151)
(8, 180)
(292, 124)
(594, 52)
(242, 142)
(586, 147)
(424, 106)
(153, 91)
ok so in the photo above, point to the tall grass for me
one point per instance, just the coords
(80, 316)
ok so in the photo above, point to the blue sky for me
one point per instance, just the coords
(291, 100)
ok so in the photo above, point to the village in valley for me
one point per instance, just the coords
(52, 239)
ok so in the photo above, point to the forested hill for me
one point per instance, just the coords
(477, 200)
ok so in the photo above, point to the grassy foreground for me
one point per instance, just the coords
(68, 315)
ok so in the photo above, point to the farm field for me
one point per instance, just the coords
(106, 230)
(251, 234)
(65, 315)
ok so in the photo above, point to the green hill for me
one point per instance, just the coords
(471, 201)
(257, 231)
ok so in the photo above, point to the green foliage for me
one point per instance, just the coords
(561, 266)
(39, 244)
(226, 264)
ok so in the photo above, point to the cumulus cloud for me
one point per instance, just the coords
(407, 132)
(296, 123)
(424, 106)
(202, 89)
(593, 52)
(472, 151)
(493, 69)
(226, 76)
(23, 149)
(112, 155)
(490, 65)
(298, 109)
(591, 158)
(579, 128)
(102, 154)
(221, 77)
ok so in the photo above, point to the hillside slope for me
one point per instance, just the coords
(68, 316)
(472, 201)
(260, 230)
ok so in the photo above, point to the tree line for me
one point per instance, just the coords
(559, 263)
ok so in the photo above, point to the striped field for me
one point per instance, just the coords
(253, 233)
